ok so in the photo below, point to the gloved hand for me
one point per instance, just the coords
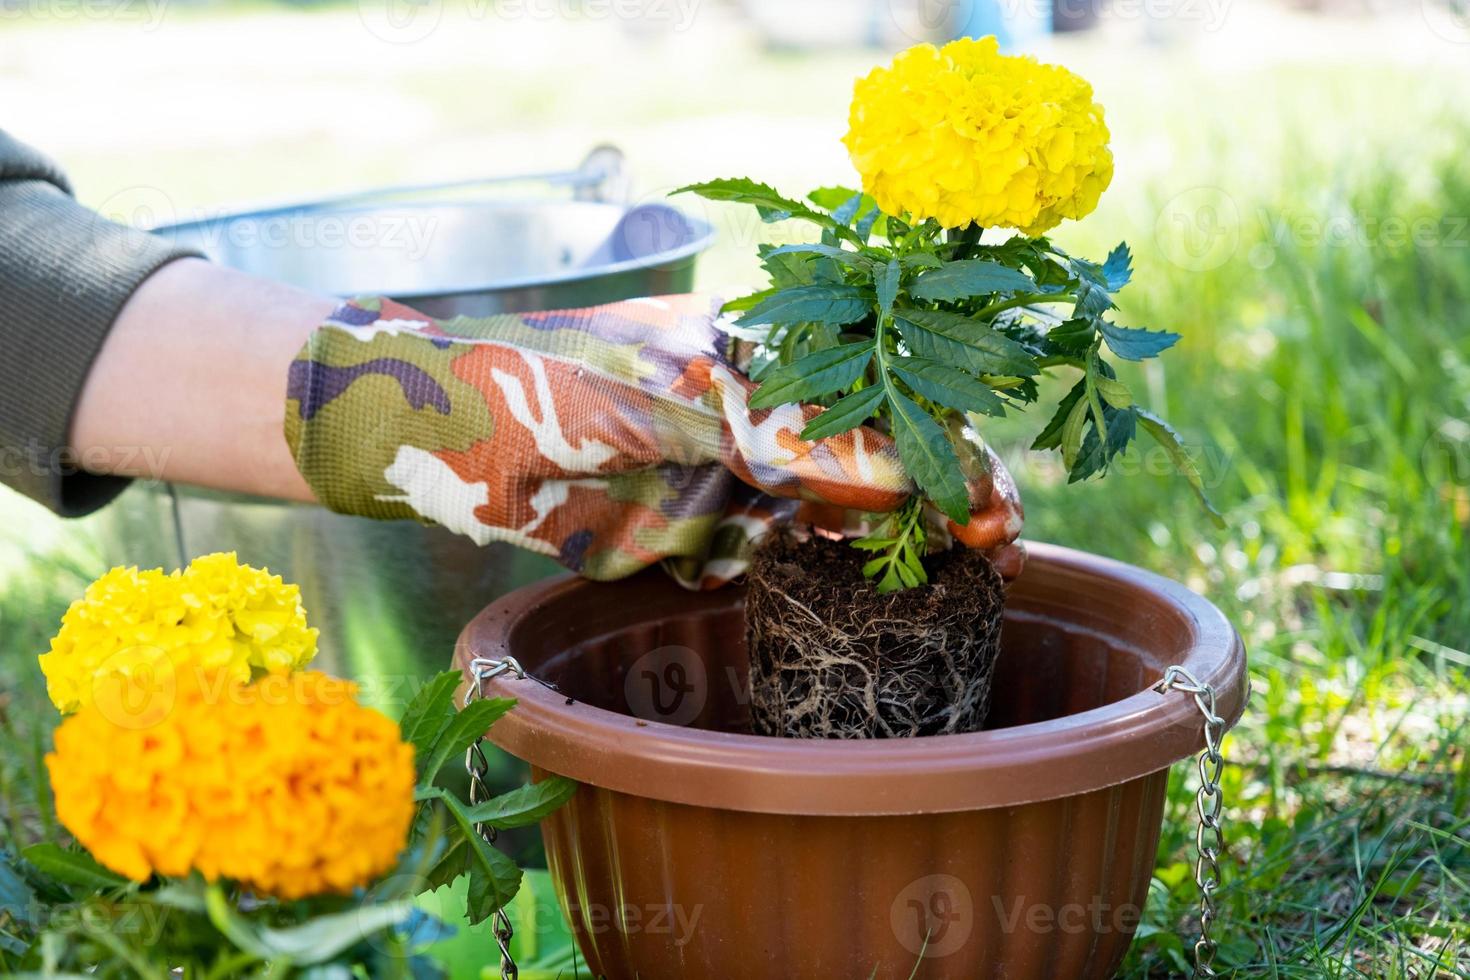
(609, 438)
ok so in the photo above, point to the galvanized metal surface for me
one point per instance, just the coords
(390, 597)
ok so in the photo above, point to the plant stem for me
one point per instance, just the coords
(1026, 300)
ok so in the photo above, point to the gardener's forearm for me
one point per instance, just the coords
(190, 385)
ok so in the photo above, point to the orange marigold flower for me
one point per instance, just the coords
(287, 786)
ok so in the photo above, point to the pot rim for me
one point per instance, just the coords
(1067, 756)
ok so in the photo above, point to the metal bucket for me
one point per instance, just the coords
(390, 597)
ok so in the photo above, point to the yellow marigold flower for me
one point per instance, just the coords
(966, 134)
(270, 631)
(287, 785)
(215, 615)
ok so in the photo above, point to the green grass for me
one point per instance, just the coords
(1326, 384)
(1334, 376)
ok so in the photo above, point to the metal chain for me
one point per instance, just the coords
(1209, 837)
(475, 764)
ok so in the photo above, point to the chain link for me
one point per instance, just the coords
(475, 764)
(1209, 836)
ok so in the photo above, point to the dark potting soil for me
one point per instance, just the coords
(832, 657)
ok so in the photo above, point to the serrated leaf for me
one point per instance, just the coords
(768, 202)
(871, 221)
(1092, 299)
(524, 805)
(968, 277)
(1164, 434)
(887, 284)
(430, 709)
(1051, 436)
(846, 413)
(848, 209)
(1117, 270)
(831, 198)
(970, 344)
(1133, 344)
(463, 730)
(494, 878)
(819, 373)
(322, 937)
(772, 204)
(822, 303)
(1096, 455)
(947, 386)
(17, 898)
(1073, 335)
(835, 252)
(922, 260)
(75, 868)
(1113, 391)
(494, 881)
(746, 302)
(928, 457)
(1072, 428)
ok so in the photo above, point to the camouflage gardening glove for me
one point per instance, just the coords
(605, 437)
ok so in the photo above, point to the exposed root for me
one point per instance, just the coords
(831, 657)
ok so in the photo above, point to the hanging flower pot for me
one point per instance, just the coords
(696, 849)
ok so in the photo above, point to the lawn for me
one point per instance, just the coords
(1302, 219)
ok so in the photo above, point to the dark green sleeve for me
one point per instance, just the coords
(65, 272)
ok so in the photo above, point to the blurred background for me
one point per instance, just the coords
(1292, 177)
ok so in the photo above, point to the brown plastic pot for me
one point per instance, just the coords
(696, 851)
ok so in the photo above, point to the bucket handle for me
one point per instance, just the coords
(599, 177)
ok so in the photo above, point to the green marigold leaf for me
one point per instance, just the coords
(819, 373)
(76, 868)
(846, 413)
(969, 277)
(1117, 269)
(1073, 335)
(1072, 430)
(887, 282)
(746, 302)
(1113, 391)
(846, 256)
(1133, 344)
(1051, 436)
(768, 202)
(929, 458)
(970, 344)
(1097, 454)
(463, 730)
(820, 303)
(430, 710)
(947, 385)
(831, 198)
(525, 805)
(1165, 436)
